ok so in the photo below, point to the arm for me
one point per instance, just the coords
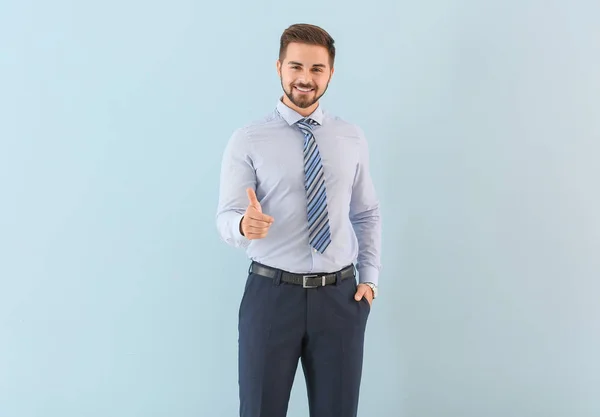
(237, 174)
(365, 217)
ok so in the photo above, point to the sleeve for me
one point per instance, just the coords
(366, 218)
(237, 174)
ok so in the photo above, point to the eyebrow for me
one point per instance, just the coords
(298, 63)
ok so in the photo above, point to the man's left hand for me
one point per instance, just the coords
(364, 290)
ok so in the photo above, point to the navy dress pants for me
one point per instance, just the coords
(281, 324)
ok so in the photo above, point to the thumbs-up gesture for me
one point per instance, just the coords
(255, 224)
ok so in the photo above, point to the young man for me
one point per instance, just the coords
(297, 195)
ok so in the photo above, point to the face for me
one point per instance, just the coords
(305, 73)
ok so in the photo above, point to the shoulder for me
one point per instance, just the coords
(258, 128)
(344, 127)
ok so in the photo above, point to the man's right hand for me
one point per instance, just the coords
(254, 224)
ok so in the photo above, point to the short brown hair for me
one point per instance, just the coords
(308, 34)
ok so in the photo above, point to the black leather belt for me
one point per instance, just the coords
(306, 280)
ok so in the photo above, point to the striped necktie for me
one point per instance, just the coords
(314, 181)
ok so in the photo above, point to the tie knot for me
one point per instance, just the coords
(307, 122)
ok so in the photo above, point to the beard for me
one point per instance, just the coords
(300, 100)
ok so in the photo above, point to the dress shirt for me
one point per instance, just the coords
(267, 156)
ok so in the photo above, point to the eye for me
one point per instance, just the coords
(317, 70)
(295, 67)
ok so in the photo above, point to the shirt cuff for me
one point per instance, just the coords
(241, 241)
(368, 274)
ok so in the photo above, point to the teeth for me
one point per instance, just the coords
(304, 89)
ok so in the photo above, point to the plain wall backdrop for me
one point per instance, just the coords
(117, 298)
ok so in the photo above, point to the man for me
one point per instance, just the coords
(296, 193)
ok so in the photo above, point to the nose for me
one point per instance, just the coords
(305, 77)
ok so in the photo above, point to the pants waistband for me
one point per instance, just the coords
(305, 280)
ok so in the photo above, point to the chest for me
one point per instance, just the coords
(279, 161)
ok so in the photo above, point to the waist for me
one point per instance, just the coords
(310, 280)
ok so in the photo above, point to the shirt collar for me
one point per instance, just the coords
(291, 116)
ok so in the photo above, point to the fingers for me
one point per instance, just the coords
(254, 214)
(255, 228)
(251, 235)
(360, 292)
(256, 232)
(258, 219)
(363, 290)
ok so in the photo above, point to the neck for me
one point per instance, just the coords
(303, 112)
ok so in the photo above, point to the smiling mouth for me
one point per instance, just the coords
(303, 90)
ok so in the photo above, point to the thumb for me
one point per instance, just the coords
(252, 199)
(359, 293)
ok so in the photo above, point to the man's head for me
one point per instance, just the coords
(305, 66)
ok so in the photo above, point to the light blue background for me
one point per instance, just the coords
(118, 300)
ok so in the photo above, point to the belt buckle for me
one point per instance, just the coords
(305, 277)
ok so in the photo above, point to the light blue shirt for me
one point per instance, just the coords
(267, 156)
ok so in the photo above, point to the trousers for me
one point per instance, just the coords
(282, 324)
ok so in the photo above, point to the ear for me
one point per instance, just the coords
(278, 65)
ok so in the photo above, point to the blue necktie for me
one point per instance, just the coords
(314, 181)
